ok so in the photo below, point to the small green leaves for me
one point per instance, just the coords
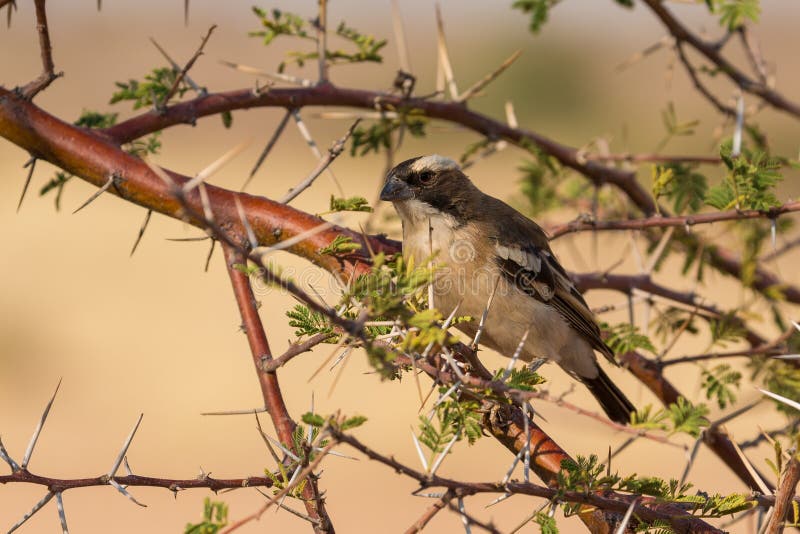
(673, 127)
(687, 418)
(547, 524)
(750, 183)
(727, 328)
(625, 337)
(313, 419)
(227, 118)
(452, 419)
(538, 10)
(644, 419)
(95, 119)
(308, 323)
(278, 22)
(341, 244)
(349, 204)
(734, 13)
(352, 422)
(521, 378)
(150, 92)
(718, 383)
(681, 184)
(56, 184)
(378, 136)
(215, 517)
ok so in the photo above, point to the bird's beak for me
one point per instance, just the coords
(395, 189)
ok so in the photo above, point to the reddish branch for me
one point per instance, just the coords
(647, 509)
(675, 220)
(48, 74)
(270, 389)
(650, 374)
(726, 68)
(56, 485)
(784, 495)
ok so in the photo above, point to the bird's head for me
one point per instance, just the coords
(431, 183)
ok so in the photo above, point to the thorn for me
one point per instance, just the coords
(736, 149)
(215, 166)
(62, 516)
(489, 78)
(286, 451)
(302, 236)
(185, 12)
(31, 163)
(251, 235)
(464, 519)
(141, 231)
(780, 398)
(445, 452)
(185, 239)
(341, 370)
(38, 430)
(444, 56)
(210, 253)
(419, 451)
(322, 41)
(125, 492)
(312, 145)
(277, 76)
(38, 506)
(773, 231)
(266, 440)
(400, 37)
(7, 458)
(500, 499)
(96, 194)
(127, 466)
(113, 471)
(750, 469)
(270, 144)
(482, 323)
(627, 517)
(515, 357)
(237, 412)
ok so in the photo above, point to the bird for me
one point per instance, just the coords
(485, 250)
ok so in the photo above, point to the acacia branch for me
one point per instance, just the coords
(31, 89)
(56, 485)
(646, 509)
(685, 221)
(784, 495)
(270, 389)
(711, 52)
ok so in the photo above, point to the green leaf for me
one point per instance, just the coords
(353, 422)
(350, 204)
(57, 184)
(95, 119)
(547, 524)
(679, 183)
(151, 91)
(313, 419)
(537, 9)
(625, 337)
(734, 13)
(687, 418)
(341, 244)
(227, 118)
(717, 384)
(215, 517)
(308, 323)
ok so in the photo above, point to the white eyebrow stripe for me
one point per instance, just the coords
(434, 163)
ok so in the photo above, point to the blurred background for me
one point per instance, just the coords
(155, 334)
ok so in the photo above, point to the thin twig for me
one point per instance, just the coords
(189, 64)
(48, 74)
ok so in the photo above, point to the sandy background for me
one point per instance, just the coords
(154, 334)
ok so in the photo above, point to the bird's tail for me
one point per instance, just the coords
(611, 399)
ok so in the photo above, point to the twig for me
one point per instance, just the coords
(333, 152)
(31, 89)
(189, 64)
(322, 41)
(656, 221)
(784, 495)
(444, 56)
(434, 509)
(295, 350)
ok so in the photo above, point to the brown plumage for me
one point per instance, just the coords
(485, 246)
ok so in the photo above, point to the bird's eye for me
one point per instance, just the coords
(425, 177)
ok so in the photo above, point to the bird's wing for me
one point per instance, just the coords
(533, 269)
